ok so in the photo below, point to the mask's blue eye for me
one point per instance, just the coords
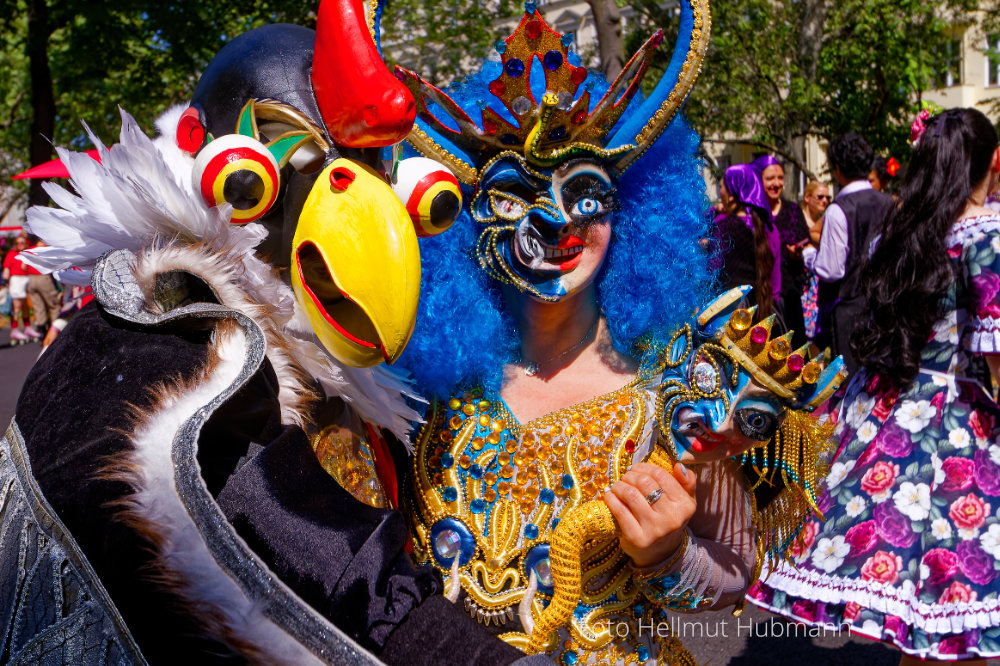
(587, 206)
(757, 425)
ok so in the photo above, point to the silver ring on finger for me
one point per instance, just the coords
(653, 496)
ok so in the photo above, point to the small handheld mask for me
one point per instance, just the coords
(431, 194)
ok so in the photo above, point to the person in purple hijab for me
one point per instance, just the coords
(746, 244)
(791, 224)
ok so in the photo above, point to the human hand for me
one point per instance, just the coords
(649, 533)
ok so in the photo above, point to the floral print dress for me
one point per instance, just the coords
(910, 549)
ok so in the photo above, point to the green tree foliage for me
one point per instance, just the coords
(141, 55)
(777, 72)
(442, 40)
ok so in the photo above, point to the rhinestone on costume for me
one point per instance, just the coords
(741, 320)
(546, 496)
(629, 446)
(530, 6)
(758, 335)
(477, 506)
(447, 460)
(498, 88)
(533, 29)
(514, 68)
(465, 462)
(544, 571)
(490, 127)
(454, 404)
(500, 46)
(552, 60)
(565, 102)
(567, 39)
(570, 658)
(567, 481)
(795, 362)
(476, 472)
(557, 133)
(810, 373)
(706, 377)
(450, 494)
(469, 410)
(579, 75)
(448, 544)
(579, 117)
(531, 531)
(779, 349)
(642, 652)
(520, 106)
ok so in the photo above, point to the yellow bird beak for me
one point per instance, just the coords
(356, 265)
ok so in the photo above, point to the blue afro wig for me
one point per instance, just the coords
(655, 275)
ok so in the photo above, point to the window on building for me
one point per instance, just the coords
(993, 61)
(947, 65)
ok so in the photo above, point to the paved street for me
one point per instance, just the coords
(755, 638)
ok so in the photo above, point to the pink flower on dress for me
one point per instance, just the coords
(942, 563)
(981, 424)
(869, 455)
(957, 473)
(884, 405)
(851, 611)
(804, 609)
(862, 538)
(968, 512)
(805, 540)
(895, 624)
(952, 645)
(879, 478)
(882, 567)
(957, 593)
(937, 401)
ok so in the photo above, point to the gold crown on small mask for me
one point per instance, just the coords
(771, 361)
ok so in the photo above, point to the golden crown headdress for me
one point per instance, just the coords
(805, 380)
(560, 125)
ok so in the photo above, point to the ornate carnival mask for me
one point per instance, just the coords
(544, 169)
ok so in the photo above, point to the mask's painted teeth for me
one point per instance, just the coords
(556, 253)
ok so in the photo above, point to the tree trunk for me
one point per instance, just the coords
(43, 105)
(608, 23)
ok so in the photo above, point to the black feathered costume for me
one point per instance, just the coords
(160, 495)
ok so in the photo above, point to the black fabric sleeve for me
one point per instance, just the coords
(348, 560)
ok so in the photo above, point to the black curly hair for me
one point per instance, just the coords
(880, 166)
(909, 272)
(852, 154)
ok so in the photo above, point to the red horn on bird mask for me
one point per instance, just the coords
(363, 105)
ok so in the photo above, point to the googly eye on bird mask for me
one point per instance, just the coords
(430, 192)
(242, 170)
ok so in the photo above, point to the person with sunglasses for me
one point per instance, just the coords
(815, 199)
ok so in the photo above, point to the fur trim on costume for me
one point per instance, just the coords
(183, 562)
(222, 273)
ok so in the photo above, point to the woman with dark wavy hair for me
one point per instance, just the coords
(910, 550)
